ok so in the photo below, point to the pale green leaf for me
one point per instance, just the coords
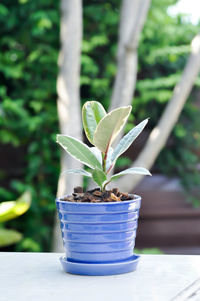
(99, 177)
(108, 160)
(132, 170)
(109, 127)
(79, 151)
(92, 113)
(98, 155)
(127, 140)
(13, 209)
(9, 237)
(78, 171)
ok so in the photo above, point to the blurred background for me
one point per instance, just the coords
(29, 122)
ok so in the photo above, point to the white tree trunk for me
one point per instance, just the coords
(68, 102)
(133, 16)
(161, 132)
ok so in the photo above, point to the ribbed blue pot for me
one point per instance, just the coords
(99, 232)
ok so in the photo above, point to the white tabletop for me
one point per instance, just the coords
(39, 276)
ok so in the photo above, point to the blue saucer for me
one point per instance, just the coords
(100, 269)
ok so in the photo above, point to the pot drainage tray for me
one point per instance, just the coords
(100, 269)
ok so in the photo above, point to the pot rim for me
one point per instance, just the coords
(136, 199)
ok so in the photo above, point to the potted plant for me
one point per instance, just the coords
(99, 226)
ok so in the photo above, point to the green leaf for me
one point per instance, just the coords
(98, 155)
(109, 127)
(108, 160)
(79, 151)
(99, 177)
(132, 170)
(78, 171)
(9, 237)
(92, 113)
(127, 140)
(13, 209)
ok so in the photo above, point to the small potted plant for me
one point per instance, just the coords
(99, 226)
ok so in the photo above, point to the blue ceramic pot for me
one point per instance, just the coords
(99, 233)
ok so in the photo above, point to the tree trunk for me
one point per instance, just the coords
(68, 102)
(161, 132)
(133, 16)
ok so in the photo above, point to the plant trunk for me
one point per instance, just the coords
(68, 102)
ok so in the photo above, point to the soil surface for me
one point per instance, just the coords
(97, 196)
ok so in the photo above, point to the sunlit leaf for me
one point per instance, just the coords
(133, 171)
(79, 151)
(9, 237)
(13, 209)
(127, 140)
(109, 127)
(78, 171)
(92, 113)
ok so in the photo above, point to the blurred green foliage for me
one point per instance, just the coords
(8, 211)
(29, 48)
(148, 251)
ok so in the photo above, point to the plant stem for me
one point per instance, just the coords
(104, 162)
(109, 168)
(104, 186)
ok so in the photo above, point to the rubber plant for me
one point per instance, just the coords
(102, 129)
(99, 226)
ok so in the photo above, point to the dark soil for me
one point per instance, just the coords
(97, 196)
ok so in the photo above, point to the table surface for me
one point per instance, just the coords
(39, 276)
